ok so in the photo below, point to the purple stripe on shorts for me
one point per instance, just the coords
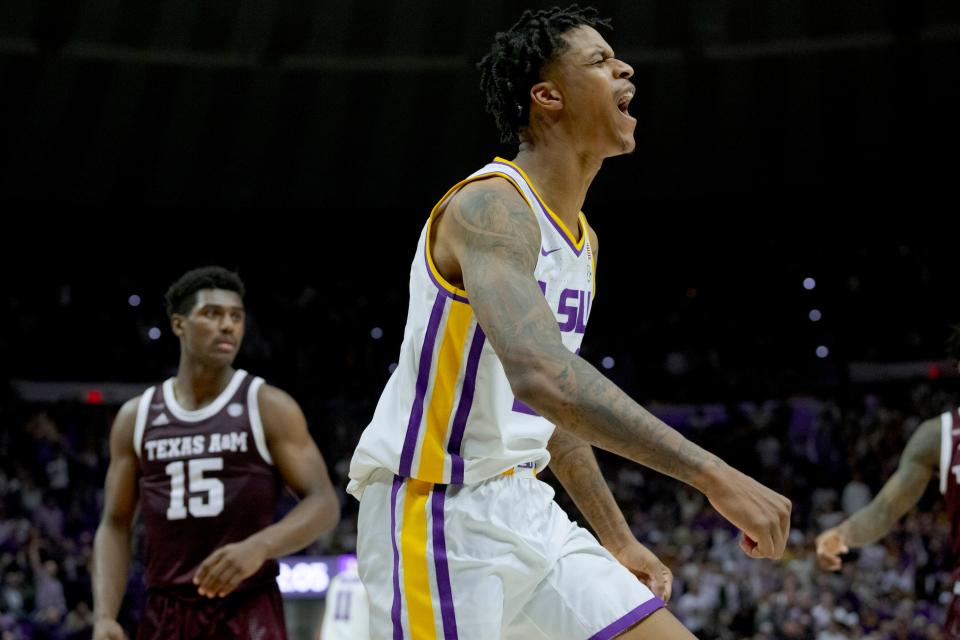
(616, 628)
(423, 378)
(395, 610)
(463, 408)
(440, 564)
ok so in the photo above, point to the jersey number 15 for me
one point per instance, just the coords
(199, 506)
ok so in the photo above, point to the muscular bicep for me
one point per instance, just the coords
(120, 489)
(496, 241)
(293, 450)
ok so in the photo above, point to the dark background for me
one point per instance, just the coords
(329, 104)
(304, 143)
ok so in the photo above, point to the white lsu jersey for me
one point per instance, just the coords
(447, 414)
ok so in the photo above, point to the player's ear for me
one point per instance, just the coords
(546, 96)
(176, 324)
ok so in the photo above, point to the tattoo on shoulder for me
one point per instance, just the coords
(489, 220)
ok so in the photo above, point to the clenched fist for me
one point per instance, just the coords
(761, 514)
(831, 544)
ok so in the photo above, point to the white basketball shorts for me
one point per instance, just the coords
(497, 559)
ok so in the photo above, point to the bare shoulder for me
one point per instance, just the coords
(126, 418)
(122, 431)
(278, 410)
(492, 210)
(276, 402)
(486, 218)
(924, 444)
(492, 189)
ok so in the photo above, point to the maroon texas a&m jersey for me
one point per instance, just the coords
(207, 479)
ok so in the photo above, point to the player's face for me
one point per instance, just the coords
(213, 329)
(596, 91)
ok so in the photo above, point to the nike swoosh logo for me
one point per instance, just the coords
(545, 253)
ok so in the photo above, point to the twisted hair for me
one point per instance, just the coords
(517, 58)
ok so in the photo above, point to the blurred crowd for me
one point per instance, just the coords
(830, 455)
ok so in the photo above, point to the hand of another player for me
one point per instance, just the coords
(830, 545)
(227, 567)
(644, 564)
(106, 629)
(761, 514)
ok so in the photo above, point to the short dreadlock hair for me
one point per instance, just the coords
(182, 294)
(517, 59)
(953, 342)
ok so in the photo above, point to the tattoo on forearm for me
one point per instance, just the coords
(619, 424)
(501, 241)
(574, 464)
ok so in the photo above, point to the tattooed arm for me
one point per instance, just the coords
(488, 239)
(573, 463)
(901, 492)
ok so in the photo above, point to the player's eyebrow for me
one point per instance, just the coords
(211, 305)
(602, 51)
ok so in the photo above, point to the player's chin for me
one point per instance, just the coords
(622, 146)
(220, 359)
(625, 143)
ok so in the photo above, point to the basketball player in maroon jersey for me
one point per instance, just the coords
(205, 456)
(934, 449)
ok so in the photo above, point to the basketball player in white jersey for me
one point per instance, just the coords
(457, 538)
(345, 614)
(933, 450)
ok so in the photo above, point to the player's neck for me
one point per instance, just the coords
(561, 174)
(197, 385)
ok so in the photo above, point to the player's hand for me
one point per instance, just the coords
(830, 545)
(107, 629)
(227, 567)
(761, 514)
(644, 564)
